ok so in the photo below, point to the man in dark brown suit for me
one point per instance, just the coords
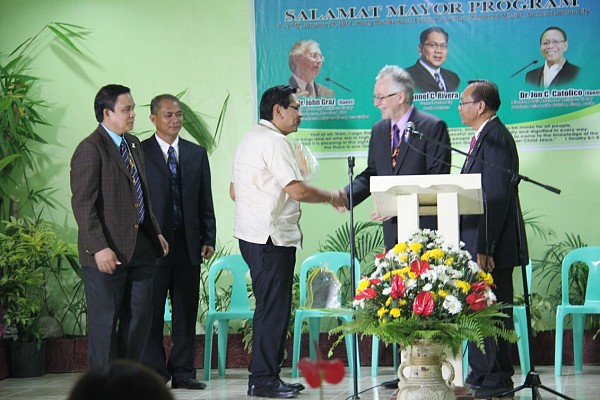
(118, 235)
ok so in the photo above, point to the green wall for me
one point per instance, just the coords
(205, 47)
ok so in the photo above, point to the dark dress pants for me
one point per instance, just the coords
(119, 306)
(177, 276)
(272, 272)
(494, 369)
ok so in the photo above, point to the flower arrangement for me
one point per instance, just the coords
(425, 288)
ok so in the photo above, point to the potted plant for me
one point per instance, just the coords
(26, 246)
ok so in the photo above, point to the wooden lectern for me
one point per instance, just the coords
(447, 196)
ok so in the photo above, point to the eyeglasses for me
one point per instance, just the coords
(381, 98)
(297, 108)
(315, 57)
(462, 103)
(547, 43)
(436, 46)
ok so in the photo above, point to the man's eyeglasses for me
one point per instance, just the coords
(316, 57)
(462, 103)
(381, 98)
(297, 108)
(547, 43)
(436, 46)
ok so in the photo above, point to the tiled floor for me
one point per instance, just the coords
(585, 386)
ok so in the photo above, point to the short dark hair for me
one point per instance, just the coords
(155, 103)
(106, 99)
(426, 32)
(280, 94)
(120, 380)
(486, 91)
(553, 28)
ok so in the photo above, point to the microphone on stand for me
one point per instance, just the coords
(328, 79)
(531, 63)
(411, 131)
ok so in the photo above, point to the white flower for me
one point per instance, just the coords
(452, 304)
(427, 287)
(490, 297)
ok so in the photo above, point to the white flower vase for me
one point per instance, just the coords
(425, 379)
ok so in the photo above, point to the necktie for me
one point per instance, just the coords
(438, 80)
(309, 89)
(175, 187)
(395, 143)
(135, 179)
(471, 146)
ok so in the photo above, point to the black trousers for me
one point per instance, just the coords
(119, 306)
(494, 369)
(177, 276)
(272, 272)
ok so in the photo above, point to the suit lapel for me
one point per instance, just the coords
(156, 156)
(113, 151)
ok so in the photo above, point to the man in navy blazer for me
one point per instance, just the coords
(118, 236)
(492, 238)
(393, 95)
(557, 71)
(427, 73)
(180, 189)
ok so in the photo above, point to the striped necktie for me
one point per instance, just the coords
(395, 144)
(438, 80)
(135, 179)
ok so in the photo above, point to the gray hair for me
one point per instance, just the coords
(400, 79)
(299, 48)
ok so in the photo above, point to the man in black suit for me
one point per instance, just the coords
(179, 184)
(118, 236)
(405, 155)
(557, 71)
(427, 73)
(492, 238)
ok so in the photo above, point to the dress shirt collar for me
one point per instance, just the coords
(116, 138)
(401, 123)
(164, 146)
(550, 72)
(302, 84)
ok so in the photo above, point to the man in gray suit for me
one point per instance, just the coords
(180, 189)
(118, 237)
(305, 60)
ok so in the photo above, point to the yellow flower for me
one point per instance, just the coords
(395, 312)
(388, 301)
(405, 270)
(397, 272)
(382, 311)
(362, 285)
(402, 302)
(486, 277)
(415, 247)
(449, 261)
(412, 275)
(442, 293)
(400, 248)
(464, 286)
(426, 256)
(403, 258)
(436, 254)
(387, 276)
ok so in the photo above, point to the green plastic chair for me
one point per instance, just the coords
(520, 322)
(239, 308)
(333, 262)
(591, 257)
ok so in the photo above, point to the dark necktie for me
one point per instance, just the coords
(395, 143)
(135, 179)
(438, 80)
(175, 187)
(309, 89)
(471, 146)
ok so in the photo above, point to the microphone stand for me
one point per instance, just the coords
(531, 63)
(352, 274)
(532, 380)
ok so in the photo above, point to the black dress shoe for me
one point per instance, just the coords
(188, 383)
(393, 384)
(274, 390)
(296, 386)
